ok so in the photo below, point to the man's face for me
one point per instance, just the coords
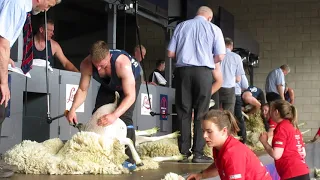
(50, 28)
(103, 63)
(162, 66)
(42, 5)
(285, 72)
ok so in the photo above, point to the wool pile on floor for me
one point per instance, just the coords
(85, 153)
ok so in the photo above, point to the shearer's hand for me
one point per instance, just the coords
(107, 119)
(72, 117)
(194, 176)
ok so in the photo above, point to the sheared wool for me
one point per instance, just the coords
(254, 127)
(85, 153)
(316, 173)
(31, 158)
(148, 163)
(207, 151)
(173, 176)
(165, 147)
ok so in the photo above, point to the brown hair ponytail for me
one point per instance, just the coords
(286, 111)
(294, 120)
(234, 128)
(222, 119)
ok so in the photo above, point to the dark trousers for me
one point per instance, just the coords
(106, 96)
(227, 98)
(193, 90)
(272, 96)
(302, 177)
(240, 119)
(2, 114)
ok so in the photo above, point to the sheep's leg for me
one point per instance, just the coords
(143, 139)
(147, 132)
(169, 158)
(142, 133)
(245, 115)
(136, 157)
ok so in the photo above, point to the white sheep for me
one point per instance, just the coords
(117, 130)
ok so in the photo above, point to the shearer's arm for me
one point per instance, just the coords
(124, 72)
(81, 94)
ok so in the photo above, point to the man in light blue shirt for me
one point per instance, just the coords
(240, 87)
(275, 83)
(13, 14)
(197, 45)
(232, 69)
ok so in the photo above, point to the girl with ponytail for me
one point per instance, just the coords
(232, 159)
(287, 147)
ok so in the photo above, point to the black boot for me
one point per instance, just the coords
(201, 159)
(185, 158)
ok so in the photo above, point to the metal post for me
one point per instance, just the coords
(251, 75)
(47, 65)
(112, 25)
(170, 62)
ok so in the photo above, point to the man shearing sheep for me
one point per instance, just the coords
(117, 71)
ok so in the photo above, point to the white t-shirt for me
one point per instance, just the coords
(13, 14)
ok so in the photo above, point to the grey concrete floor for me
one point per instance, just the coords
(165, 167)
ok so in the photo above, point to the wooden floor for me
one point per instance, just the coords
(179, 168)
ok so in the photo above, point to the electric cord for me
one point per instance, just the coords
(135, 5)
(142, 64)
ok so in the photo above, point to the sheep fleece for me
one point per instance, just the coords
(85, 153)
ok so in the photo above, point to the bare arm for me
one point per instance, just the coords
(171, 54)
(210, 172)
(124, 72)
(4, 60)
(84, 83)
(270, 132)
(248, 98)
(280, 90)
(57, 51)
(238, 78)
(275, 153)
(217, 75)
(291, 94)
(218, 58)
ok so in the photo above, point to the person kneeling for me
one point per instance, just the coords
(287, 148)
(232, 159)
